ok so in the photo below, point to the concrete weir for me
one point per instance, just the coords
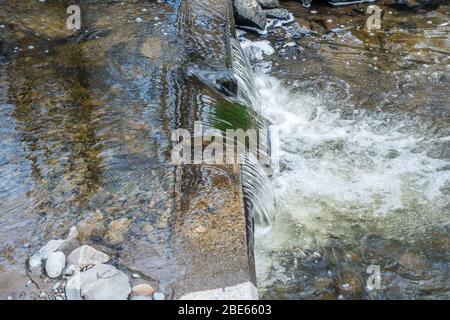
(211, 227)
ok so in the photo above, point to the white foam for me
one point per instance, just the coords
(367, 160)
(256, 49)
(337, 169)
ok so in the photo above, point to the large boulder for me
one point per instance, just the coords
(85, 256)
(101, 282)
(114, 285)
(249, 13)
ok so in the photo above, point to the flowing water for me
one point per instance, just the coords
(363, 124)
(364, 170)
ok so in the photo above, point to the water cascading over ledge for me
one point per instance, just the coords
(221, 256)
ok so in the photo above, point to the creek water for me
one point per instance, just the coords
(363, 124)
(364, 169)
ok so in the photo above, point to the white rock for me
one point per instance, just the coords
(55, 264)
(74, 284)
(113, 285)
(101, 282)
(86, 255)
(37, 258)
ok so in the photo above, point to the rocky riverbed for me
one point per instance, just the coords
(63, 270)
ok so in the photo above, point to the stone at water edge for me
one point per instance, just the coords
(113, 285)
(117, 230)
(98, 272)
(249, 13)
(268, 4)
(142, 290)
(37, 258)
(91, 227)
(86, 255)
(55, 264)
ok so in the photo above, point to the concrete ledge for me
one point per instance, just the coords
(243, 291)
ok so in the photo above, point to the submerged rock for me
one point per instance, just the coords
(412, 3)
(349, 284)
(345, 2)
(91, 227)
(101, 282)
(282, 14)
(55, 264)
(268, 3)
(306, 3)
(117, 230)
(86, 255)
(249, 13)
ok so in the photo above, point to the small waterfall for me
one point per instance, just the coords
(247, 91)
(256, 184)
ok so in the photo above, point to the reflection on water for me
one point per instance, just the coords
(86, 122)
(364, 171)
